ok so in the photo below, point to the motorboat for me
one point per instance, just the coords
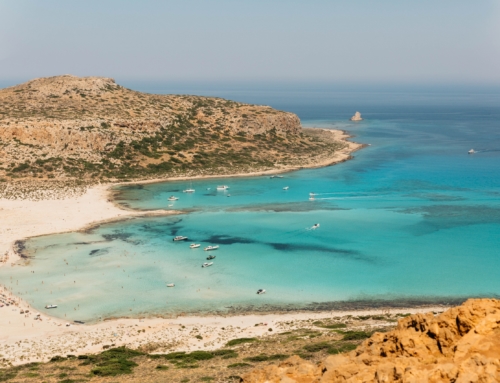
(207, 264)
(79, 321)
(170, 284)
(261, 291)
(51, 306)
(311, 198)
(311, 194)
(211, 257)
(472, 151)
(222, 187)
(285, 188)
(173, 198)
(170, 204)
(208, 248)
(315, 226)
(279, 176)
(188, 191)
(180, 238)
(194, 245)
(229, 195)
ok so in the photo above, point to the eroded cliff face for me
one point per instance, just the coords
(67, 126)
(461, 345)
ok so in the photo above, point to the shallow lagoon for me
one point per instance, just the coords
(411, 217)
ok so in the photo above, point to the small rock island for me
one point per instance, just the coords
(356, 117)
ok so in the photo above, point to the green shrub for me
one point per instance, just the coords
(257, 358)
(316, 347)
(341, 348)
(356, 335)
(237, 341)
(225, 354)
(235, 365)
(334, 326)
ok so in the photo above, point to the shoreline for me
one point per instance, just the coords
(339, 157)
(23, 219)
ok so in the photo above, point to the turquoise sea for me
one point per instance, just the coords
(412, 219)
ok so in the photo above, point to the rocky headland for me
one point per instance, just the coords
(91, 129)
(460, 345)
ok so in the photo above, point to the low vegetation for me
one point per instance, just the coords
(310, 340)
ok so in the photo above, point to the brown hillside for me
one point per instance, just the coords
(67, 127)
(461, 345)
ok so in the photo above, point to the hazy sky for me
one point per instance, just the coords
(451, 41)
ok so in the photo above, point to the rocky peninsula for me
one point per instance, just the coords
(91, 129)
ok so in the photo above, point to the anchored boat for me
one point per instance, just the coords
(179, 238)
(194, 245)
(207, 264)
(208, 248)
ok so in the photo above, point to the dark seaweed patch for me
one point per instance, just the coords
(131, 187)
(162, 228)
(227, 240)
(120, 236)
(296, 207)
(352, 254)
(439, 217)
(98, 252)
(435, 197)
(19, 248)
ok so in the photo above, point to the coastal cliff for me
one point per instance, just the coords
(459, 345)
(67, 127)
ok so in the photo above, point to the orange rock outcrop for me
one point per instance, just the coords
(460, 345)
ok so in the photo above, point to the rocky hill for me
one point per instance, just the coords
(67, 127)
(460, 345)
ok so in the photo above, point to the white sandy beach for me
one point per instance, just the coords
(24, 339)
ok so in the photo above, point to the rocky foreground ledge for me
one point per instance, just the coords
(459, 345)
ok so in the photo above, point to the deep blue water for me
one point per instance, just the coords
(411, 217)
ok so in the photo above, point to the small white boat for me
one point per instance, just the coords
(229, 195)
(173, 198)
(188, 191)
(311, 194)
(208, 248)
(170, 205)
(311, 198)
(208, 188)
(207, 264)
(179, 238)
(261, 291)
(194, 245)
(279, 176)
(51, 306)
(472, 151)
(285, 188)
(170, 284)
(315, 226)
(222, 187)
